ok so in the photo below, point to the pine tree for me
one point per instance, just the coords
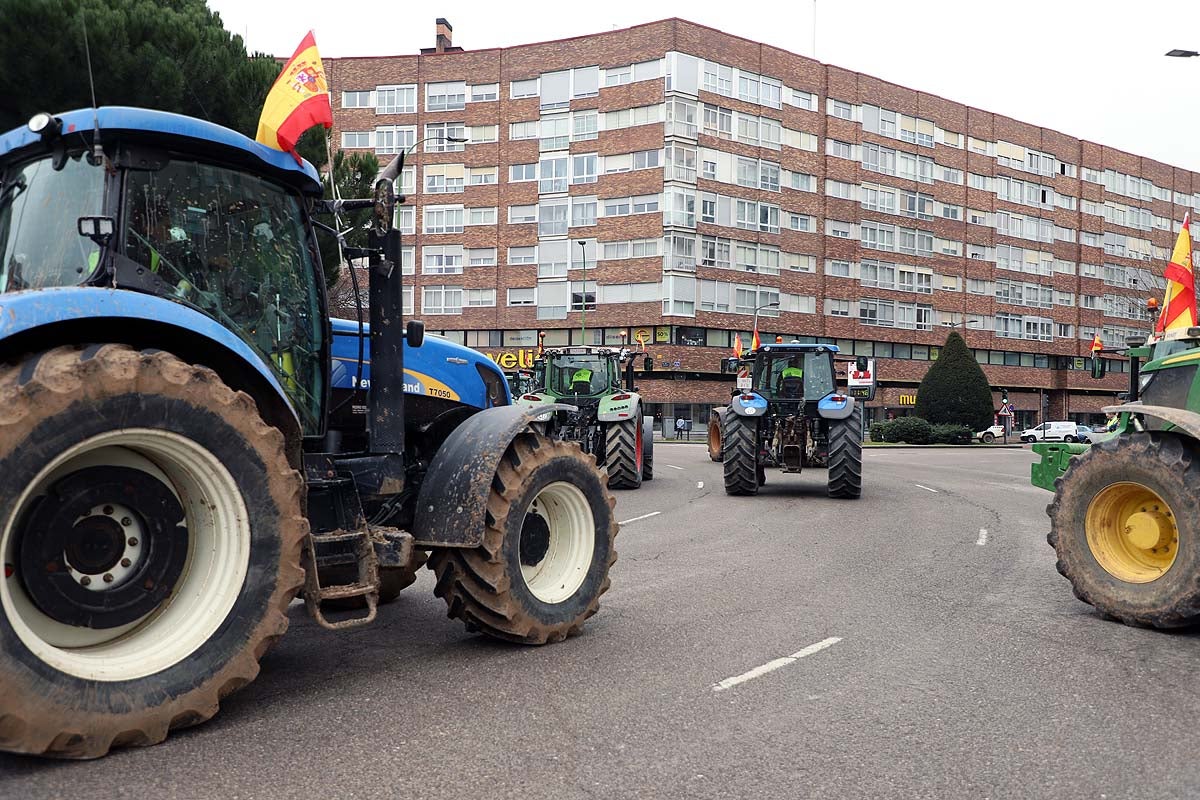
(955, 391)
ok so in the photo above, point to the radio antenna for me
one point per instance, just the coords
(97, 155)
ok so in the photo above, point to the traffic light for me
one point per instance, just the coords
(1004, 396)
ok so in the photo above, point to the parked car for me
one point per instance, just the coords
(991, 434)
(1083, 434)
(1052, 432)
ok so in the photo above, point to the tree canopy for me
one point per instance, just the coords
(955, 391)
(173, 55)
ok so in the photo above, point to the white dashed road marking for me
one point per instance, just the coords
(982, 540)
(771, 666)
(643, 516)
(926, 488)
(672, 466)
(699, 484)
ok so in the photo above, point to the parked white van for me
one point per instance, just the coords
(1051, 432)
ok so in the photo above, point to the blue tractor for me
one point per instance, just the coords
(184, 445)
(786, 412)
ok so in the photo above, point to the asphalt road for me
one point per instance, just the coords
(956, 664)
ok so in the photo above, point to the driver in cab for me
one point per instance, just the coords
(581, 381)
(791, 379)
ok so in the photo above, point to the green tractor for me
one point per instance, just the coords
(786, 412)
(1125, 520)
(606, 416)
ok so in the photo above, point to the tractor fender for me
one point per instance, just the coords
(452, 503)
(36, 320)
(539, 403)
(1181, 418)
(831, 407)
(749, 404)
(619, 410)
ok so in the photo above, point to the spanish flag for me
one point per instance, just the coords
(1179, 306)
(755, 342)
(1097, 345)
(298, 100)
(737, 345)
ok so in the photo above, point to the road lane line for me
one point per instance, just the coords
(699, 484)
(771, 666)
(643, 516)
(982, 540)
(672, 466)
(926, 488)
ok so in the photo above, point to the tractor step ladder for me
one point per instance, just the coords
(366, 585)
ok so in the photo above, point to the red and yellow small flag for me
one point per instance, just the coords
(737, 345)
(1097, 345)
(298, 100)
(1179, 306)
(755, 342)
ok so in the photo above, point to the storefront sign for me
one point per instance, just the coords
(514, 359)
(662, 334)
(908, 399)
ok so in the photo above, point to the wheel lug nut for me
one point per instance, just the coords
(85, 581)
(125, 562)
(126, 521)
(108, 578)
(133, 541)
(108, 510)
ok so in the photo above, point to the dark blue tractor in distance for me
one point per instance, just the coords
(185, 442)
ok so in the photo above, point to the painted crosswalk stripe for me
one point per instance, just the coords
(643, 516)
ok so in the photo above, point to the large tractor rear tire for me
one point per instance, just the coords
(546, 552)
(150, 531)
(1125, 523)
(714, 434)
(648, 449)
(623, 454)
(739, 437)
(845, 455)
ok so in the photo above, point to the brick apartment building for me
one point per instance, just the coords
(678, 177)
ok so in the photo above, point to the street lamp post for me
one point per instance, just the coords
(583, 294)
(760, 308)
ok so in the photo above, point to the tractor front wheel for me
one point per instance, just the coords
(150, 536)
(546, 552)
(714, 434)
(845, 455)
(1125, 523)
(624, 454)
(739, 438)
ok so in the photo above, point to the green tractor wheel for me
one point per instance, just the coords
(623, 454)
(740, 448)
(1125, 523)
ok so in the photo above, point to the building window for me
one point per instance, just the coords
(448, 96)
(441, 300)
(481, 216)
(442, 260)
(394, 138)
(443, 219)
(522, 297)
(357, 99)
(552, 175)
(521, 214)
(356, 140)
(839, 109)
(438, 137)
(482, 92)
(584, 125)
(481, 257)
(583, 168)
(522, 255)
(396, 100)
(523, 130)
(518, 173)
(525, 88)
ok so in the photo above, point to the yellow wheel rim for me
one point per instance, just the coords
(1132, 532)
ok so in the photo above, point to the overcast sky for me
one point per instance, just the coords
(1094, 69)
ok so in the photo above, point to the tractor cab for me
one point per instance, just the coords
(581, 372)
(177, 208)
(781, 372)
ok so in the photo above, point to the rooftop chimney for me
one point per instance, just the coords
(444, 32)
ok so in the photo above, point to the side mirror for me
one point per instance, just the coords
(648, 364)
(385, 207)
(1099, 367)
(414, 333)
(861, 364)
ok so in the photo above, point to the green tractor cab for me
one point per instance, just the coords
(1125, 519)
(786, 412)
(606, 418)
